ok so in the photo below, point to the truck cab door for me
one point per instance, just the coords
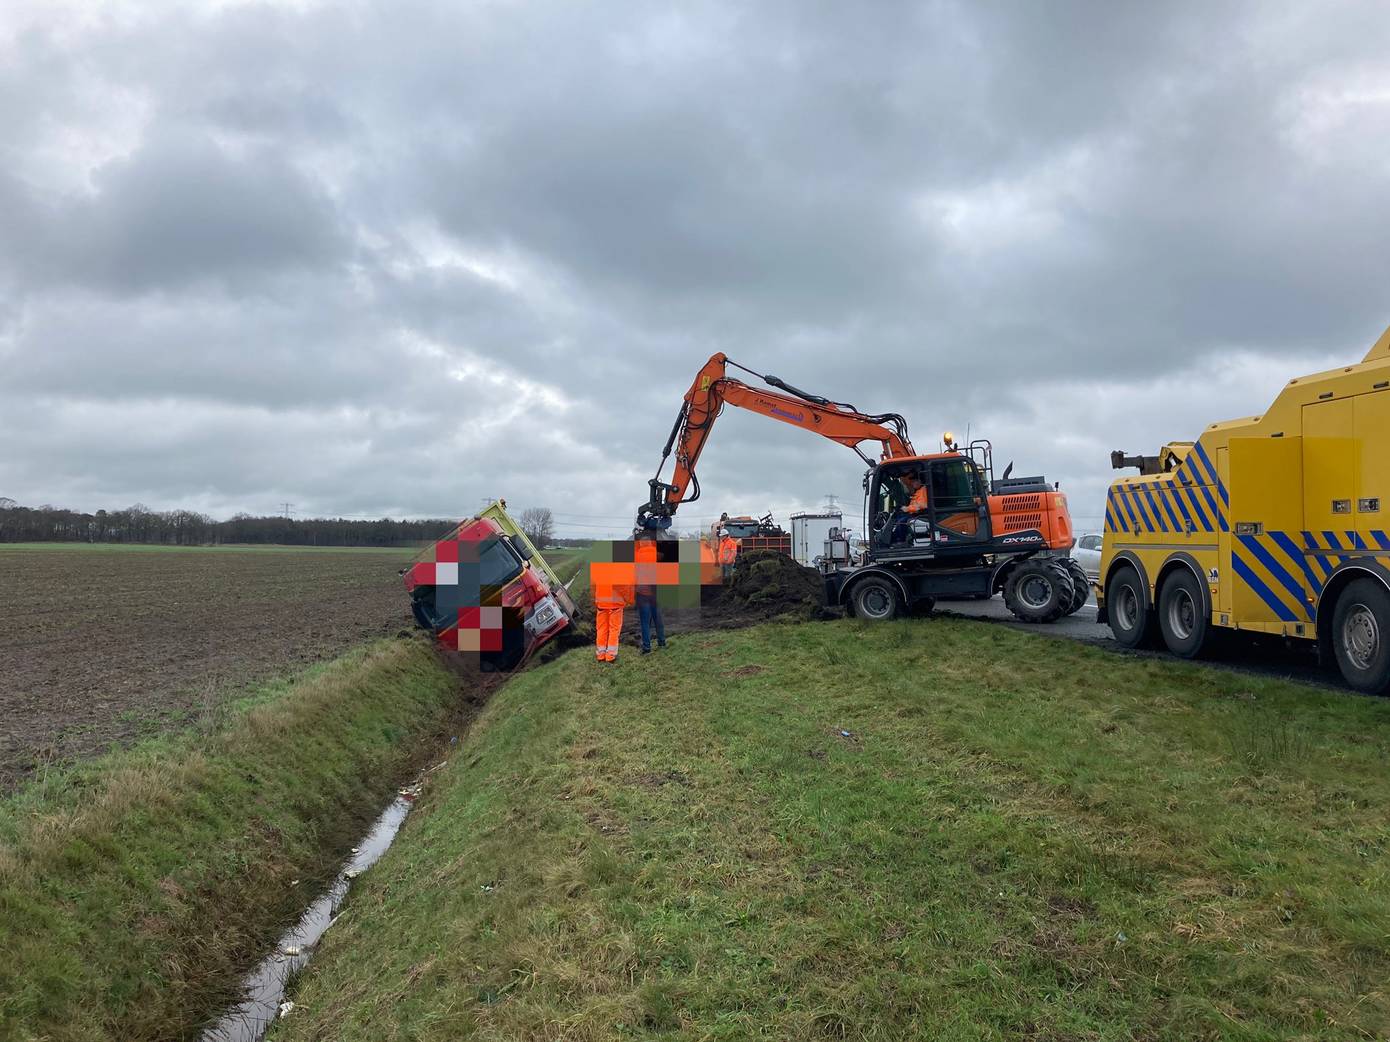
(958, 503)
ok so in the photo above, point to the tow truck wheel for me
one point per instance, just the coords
(1182, 620)
(1082, 583)
(1361, 635)
(875, 598)
(1039, 590)
(1127, 604)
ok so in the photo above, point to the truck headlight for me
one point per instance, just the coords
(544, 615)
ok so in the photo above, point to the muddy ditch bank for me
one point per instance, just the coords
(138, 889)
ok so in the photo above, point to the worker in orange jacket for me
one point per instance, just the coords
(612, 588)
(917, 494)
(728, 553)
(917, 503)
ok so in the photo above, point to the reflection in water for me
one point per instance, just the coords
(265, 985)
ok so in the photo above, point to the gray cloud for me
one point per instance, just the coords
(178, 213)
(396, 257)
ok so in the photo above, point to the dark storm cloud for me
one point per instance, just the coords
(400, 256)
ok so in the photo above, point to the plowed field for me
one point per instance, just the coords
(101, 645)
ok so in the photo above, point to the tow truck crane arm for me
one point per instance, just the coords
(713, 388)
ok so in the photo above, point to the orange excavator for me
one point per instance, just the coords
(976, 536)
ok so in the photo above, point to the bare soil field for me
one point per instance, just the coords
(105, 645)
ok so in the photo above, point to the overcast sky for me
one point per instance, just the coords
(392, 257)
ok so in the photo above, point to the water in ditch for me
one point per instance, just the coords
(264, 988)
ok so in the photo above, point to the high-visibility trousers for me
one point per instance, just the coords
(608, 624)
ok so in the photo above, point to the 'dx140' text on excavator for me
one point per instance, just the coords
(940, 524)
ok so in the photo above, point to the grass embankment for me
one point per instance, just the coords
(135, 888)
(1018, 839)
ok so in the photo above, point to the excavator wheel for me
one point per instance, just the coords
(1082, 582)
(876, 598)
(1039, 590)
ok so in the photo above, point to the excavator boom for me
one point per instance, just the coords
(713, 388)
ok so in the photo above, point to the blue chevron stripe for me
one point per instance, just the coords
(1216, 511)
(1295, 554)
(1280, 573)
(1123, 511)
(1153, 509)
(1143, 514)
(1182, 506)
(1118, 511)
(1191, 494)
(1211, 469)
(1162, 494)
(1129, 510)
(1323, 567)
(1248, 576)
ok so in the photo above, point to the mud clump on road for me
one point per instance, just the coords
(766, 586)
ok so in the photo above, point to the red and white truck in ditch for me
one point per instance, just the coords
(484, 589)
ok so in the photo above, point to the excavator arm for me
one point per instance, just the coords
(707, 396)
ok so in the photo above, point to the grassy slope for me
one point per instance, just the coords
(1021, 839)
(130, 886)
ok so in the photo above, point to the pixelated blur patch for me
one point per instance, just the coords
(494, 632)
(671, 569)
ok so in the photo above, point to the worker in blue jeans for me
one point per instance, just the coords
(644, 555)
(649, 616)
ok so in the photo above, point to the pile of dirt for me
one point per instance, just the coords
(766, 586)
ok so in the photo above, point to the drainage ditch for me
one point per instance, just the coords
(264, 987)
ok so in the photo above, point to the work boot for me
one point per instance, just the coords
(646, 651)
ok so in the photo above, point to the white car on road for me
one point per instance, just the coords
(1086, 553)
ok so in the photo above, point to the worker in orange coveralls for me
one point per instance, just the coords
(728, 553)
(612, 586)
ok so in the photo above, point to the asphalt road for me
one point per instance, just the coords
(1240, 653)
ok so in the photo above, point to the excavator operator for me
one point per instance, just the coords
(896, 531)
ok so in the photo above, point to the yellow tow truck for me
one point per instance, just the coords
(1276, 524)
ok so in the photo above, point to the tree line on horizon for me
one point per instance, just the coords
(140, 524)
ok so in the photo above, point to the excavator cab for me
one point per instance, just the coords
(957, 517)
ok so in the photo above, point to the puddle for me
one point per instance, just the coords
(264, 987)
